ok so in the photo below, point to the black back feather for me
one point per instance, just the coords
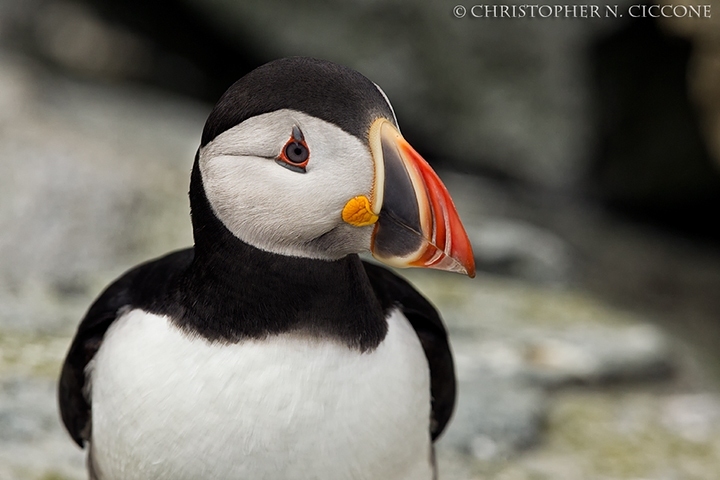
(136, 287)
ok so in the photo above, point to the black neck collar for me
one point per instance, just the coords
(233, 291)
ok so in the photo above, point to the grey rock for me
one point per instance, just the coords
(495, 417)
(594, 354)
(92, 180)
(520, 249)
(33, 444)
(504, 379)
(515, 345)
(24, 415)
(693, 416)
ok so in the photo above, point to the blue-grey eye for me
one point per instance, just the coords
(296, 152)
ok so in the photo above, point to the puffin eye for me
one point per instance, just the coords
(295, 154)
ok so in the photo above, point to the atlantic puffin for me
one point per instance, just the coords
(270, 350)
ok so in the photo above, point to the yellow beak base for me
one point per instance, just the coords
(358, 212)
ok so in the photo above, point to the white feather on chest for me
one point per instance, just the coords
(169, 406)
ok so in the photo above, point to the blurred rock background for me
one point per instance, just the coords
(583, 154)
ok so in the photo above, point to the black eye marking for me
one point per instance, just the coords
(295, 154)
(297, 134)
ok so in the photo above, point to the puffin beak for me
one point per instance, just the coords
(417, 224)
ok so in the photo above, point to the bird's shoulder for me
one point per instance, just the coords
(395, 292)
(137, 287)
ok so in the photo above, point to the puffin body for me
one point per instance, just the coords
(269, 350)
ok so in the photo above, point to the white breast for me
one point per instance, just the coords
(168, 406)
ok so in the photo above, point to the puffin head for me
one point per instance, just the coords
(303, 157)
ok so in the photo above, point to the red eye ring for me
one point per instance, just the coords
(295, 155)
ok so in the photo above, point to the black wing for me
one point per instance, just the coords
(392, 290)
(134, 288)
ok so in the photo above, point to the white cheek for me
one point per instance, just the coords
(282, 211)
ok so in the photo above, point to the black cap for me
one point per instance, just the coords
(323, 89)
